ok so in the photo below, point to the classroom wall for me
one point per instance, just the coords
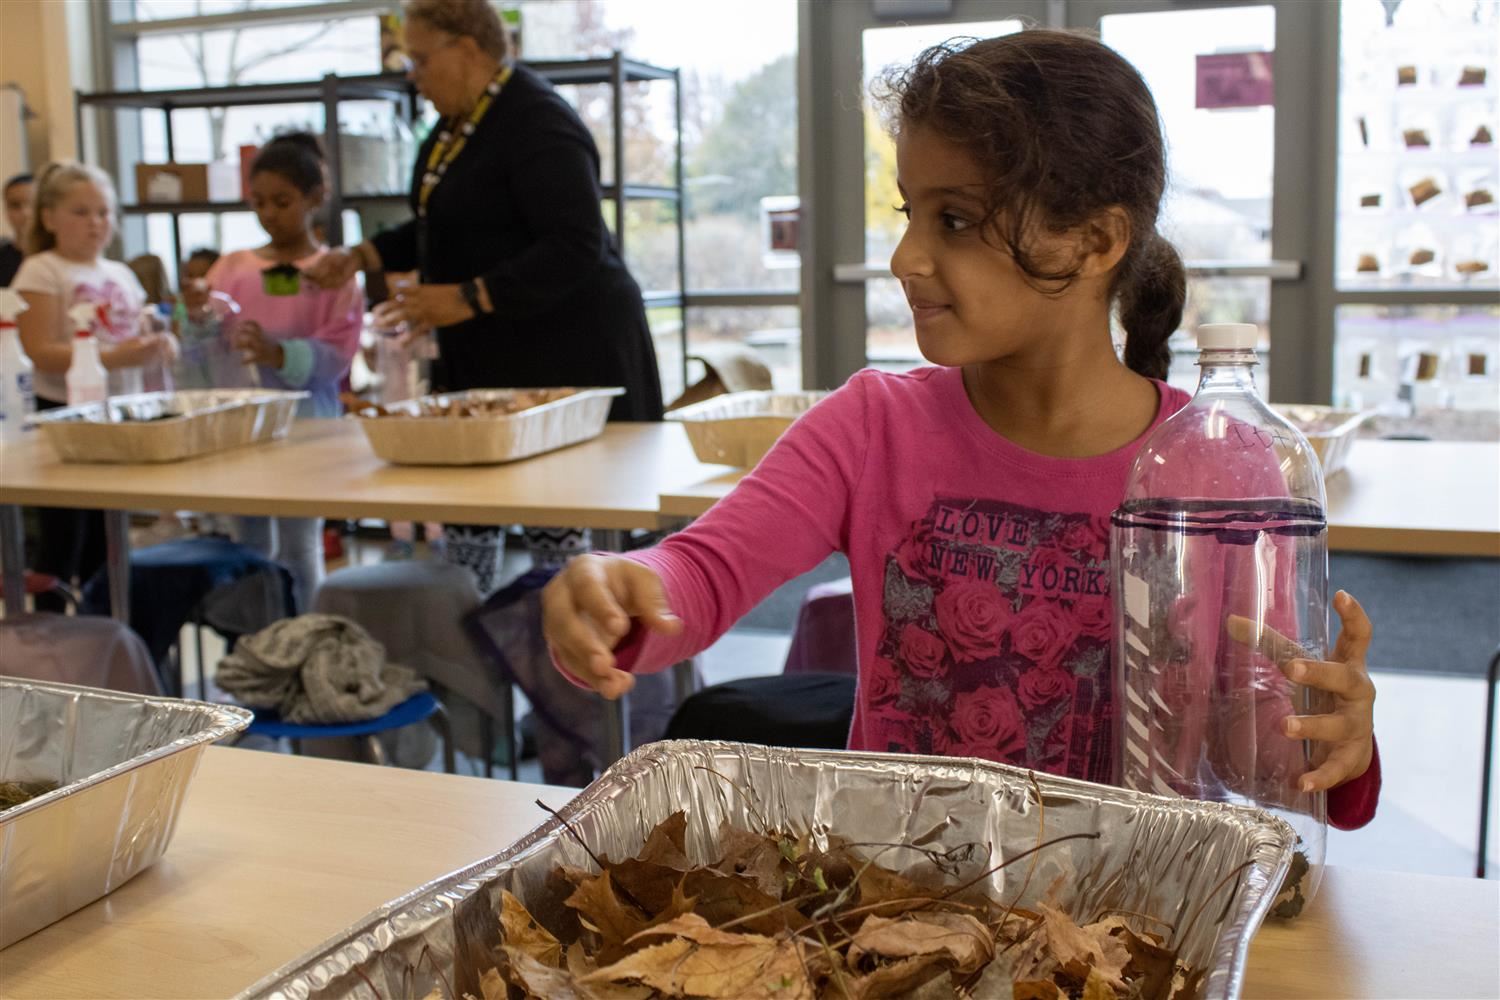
(46, 50)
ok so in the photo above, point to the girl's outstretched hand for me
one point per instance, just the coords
(587, 610)
(1348, 732)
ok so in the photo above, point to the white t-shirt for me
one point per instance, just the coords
(103, 282)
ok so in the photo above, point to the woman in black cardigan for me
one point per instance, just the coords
(519, 276)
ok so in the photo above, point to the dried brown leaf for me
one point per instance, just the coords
(753, 855)
(1080, 949)
(492, 985)
(896, 979)
(722, 898)
(1036, 989)
(667, 845)
(520, 930)
(1096, 987)
(596, 901)
(961, 941)
(649, 883)
(1151, 966)
(759, 969)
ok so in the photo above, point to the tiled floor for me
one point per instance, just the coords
(1430, 729)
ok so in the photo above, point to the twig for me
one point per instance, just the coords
(625, 893)
(764, 823)
(361, 973)
(1041, 831)
(1208, 899)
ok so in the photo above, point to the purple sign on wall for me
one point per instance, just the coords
(1234, 80)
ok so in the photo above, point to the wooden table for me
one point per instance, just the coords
(274, 854)
(1433, 498)
(325, 468)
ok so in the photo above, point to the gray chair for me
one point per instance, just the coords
(415, 609)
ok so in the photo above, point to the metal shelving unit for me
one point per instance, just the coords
(329, 92)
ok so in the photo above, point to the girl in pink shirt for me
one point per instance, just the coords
(298, 335)
(973, 498)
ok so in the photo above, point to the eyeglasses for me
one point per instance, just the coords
(419, 61)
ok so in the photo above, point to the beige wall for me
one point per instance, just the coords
(45, 49)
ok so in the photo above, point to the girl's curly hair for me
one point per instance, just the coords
(1064, 128)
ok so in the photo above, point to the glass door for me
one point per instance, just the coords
(1214, 69)
(853, 308)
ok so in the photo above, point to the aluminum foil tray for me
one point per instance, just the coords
(418, 440)
(1331, 432)
(1154, 855)
(168, 426)
(123, 763)
(738, 428)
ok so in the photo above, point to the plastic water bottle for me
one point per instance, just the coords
(17, 399)
(87, 380)
(1220, 560)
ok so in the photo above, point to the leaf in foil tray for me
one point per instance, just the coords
(492, 985)
(1079, 949)
(1036, 989)
(721, 966)
(596, 902)
(722, 898)
(1096, 987)
(896, 979)
(534, 979)
(1188, 984)
(520, 930)
(890, 894)
(1151, 966)
(753, 855)
(649, 883)
(962, 942)
(667, 845)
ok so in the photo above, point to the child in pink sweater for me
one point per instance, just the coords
(298, 335)
(973, 498)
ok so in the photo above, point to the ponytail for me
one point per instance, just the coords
(1151, 300)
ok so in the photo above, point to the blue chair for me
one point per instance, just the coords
(176, 583)
(418, 707)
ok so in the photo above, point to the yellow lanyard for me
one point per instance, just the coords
(449, 145)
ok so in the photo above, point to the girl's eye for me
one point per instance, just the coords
(905, 209)
(954, 223)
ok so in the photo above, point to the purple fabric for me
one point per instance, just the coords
(824, 639)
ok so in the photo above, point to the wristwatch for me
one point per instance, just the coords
(470, 292)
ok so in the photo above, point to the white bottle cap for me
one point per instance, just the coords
(1228, 337)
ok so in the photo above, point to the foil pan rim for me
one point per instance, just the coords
(238, 398)
(1226, 976)
(226, 720)
(580, 394)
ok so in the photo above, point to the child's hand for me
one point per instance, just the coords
(587, 609)
(1347, 733)
(132, 352)
(255, 347)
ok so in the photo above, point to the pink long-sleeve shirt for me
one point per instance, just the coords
(318, 328)
(980, 574)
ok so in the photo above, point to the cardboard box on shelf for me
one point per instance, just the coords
(186, 182)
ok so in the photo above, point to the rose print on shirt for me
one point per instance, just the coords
(995, 642)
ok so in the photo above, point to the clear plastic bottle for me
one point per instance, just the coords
(1220, 560)
(87, 380)
(17, 398)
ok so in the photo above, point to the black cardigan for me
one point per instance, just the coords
(520, 207)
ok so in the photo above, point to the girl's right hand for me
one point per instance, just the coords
(587, 610)
(142, 349)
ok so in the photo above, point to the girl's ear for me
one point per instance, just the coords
(1106, 237)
